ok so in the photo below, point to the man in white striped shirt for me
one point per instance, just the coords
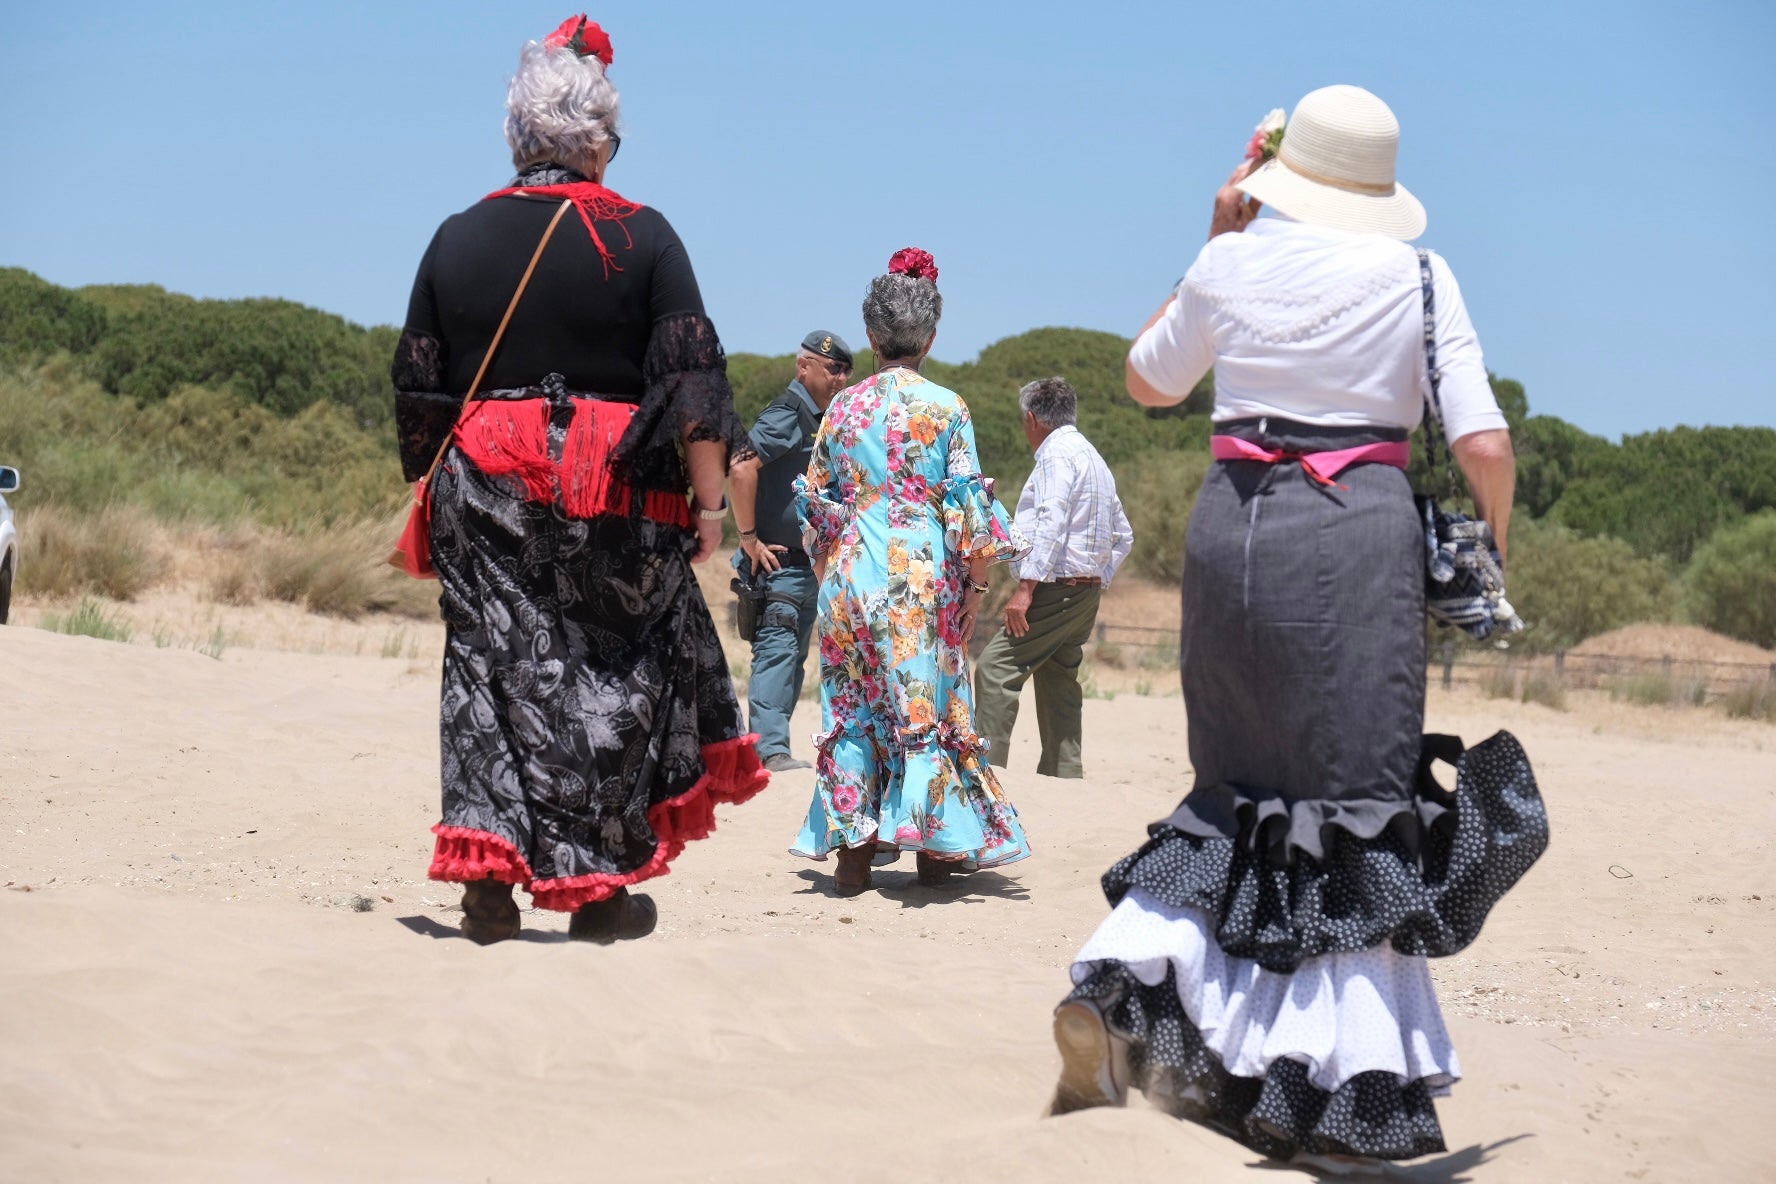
(1079, 536)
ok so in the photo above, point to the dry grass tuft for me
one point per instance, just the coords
(1751, 701)
(115, 552)
(1542, 686)
(1499, 682)
(342, 571)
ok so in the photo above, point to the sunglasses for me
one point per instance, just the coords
(616, 145)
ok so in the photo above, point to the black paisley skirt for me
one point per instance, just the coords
(589, 724)
(1266, 951)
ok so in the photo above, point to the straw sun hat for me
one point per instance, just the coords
(1336, 167)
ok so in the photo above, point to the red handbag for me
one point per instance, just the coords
(413, 550)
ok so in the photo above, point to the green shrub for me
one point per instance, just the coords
(1568, 588)
(88, 619)
(1158, 491)
(1730, 584)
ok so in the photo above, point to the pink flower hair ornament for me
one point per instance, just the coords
(1268, 137)
(584, 37)
(914, 262)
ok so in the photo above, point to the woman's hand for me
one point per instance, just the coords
(1234, 211)
(709, 537)
(967, 616)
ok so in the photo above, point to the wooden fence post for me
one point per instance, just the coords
(1448, 664)
(1560, 664)
(1102, 633)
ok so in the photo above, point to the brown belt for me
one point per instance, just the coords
(1079, 581)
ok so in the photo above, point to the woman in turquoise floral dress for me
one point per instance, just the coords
(901, 527)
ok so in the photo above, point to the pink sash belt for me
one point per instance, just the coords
(1321, 466)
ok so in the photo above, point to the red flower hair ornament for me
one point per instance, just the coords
(584, 37)
(914, 262)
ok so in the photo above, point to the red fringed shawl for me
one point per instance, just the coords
(595, 204)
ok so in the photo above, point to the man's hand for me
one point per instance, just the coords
(1016, 622)
(763, 555)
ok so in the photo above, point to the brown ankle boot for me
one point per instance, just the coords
(489, 912)
(853, 875)
(935, 872)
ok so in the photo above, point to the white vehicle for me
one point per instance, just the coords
(9, 483)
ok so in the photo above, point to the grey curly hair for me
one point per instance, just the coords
(1053, 402)
(559, 107)
(901, 314)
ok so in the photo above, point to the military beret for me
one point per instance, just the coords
(828, 345)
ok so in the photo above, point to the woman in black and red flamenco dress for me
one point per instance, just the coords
(589, 725)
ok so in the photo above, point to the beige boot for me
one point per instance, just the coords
(1094, 1060)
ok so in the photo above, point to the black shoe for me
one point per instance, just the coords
(782, 762)
(623, 917)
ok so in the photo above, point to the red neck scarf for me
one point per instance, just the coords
(595, 204)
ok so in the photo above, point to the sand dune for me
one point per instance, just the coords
(189, 992)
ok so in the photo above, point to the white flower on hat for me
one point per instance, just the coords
(1276, 121)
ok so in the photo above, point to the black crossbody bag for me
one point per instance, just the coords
(1464, 576)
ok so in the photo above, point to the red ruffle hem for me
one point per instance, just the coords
(731, 775)
(510, 438)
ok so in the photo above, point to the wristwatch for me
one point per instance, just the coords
(717, 514)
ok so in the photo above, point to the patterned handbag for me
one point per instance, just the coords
(413, 550)
(1464, 576)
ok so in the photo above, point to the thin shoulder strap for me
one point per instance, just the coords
(1433, 422)
(500, 333)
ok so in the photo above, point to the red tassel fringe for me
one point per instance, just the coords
(510, 438)
(731, 774)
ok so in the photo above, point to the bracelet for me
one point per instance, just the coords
(748, 535)
(715, 515)
(981, 588)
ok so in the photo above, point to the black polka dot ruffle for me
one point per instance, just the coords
(1364, 891)
(1373, 1113)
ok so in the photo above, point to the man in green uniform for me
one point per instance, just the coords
(771, 557)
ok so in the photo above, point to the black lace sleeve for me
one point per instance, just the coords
(424, 414)
(687, 398)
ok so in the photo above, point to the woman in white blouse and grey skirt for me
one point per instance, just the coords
(1263, 969)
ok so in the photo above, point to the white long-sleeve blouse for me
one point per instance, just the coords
(1319, 326)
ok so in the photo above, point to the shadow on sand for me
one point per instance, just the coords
(1444, 1169)
(904, 889)
(433, 928)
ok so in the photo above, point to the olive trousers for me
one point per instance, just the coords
(1061, 618)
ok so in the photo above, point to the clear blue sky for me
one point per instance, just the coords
(1600, 175)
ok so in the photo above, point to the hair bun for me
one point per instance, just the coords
(586, 38)
(915, 262)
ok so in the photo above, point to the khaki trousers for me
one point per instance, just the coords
(1061, 619)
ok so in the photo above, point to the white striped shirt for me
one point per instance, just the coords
(1070, 513)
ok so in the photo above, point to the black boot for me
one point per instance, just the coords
(622, 917)
(489, 912)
